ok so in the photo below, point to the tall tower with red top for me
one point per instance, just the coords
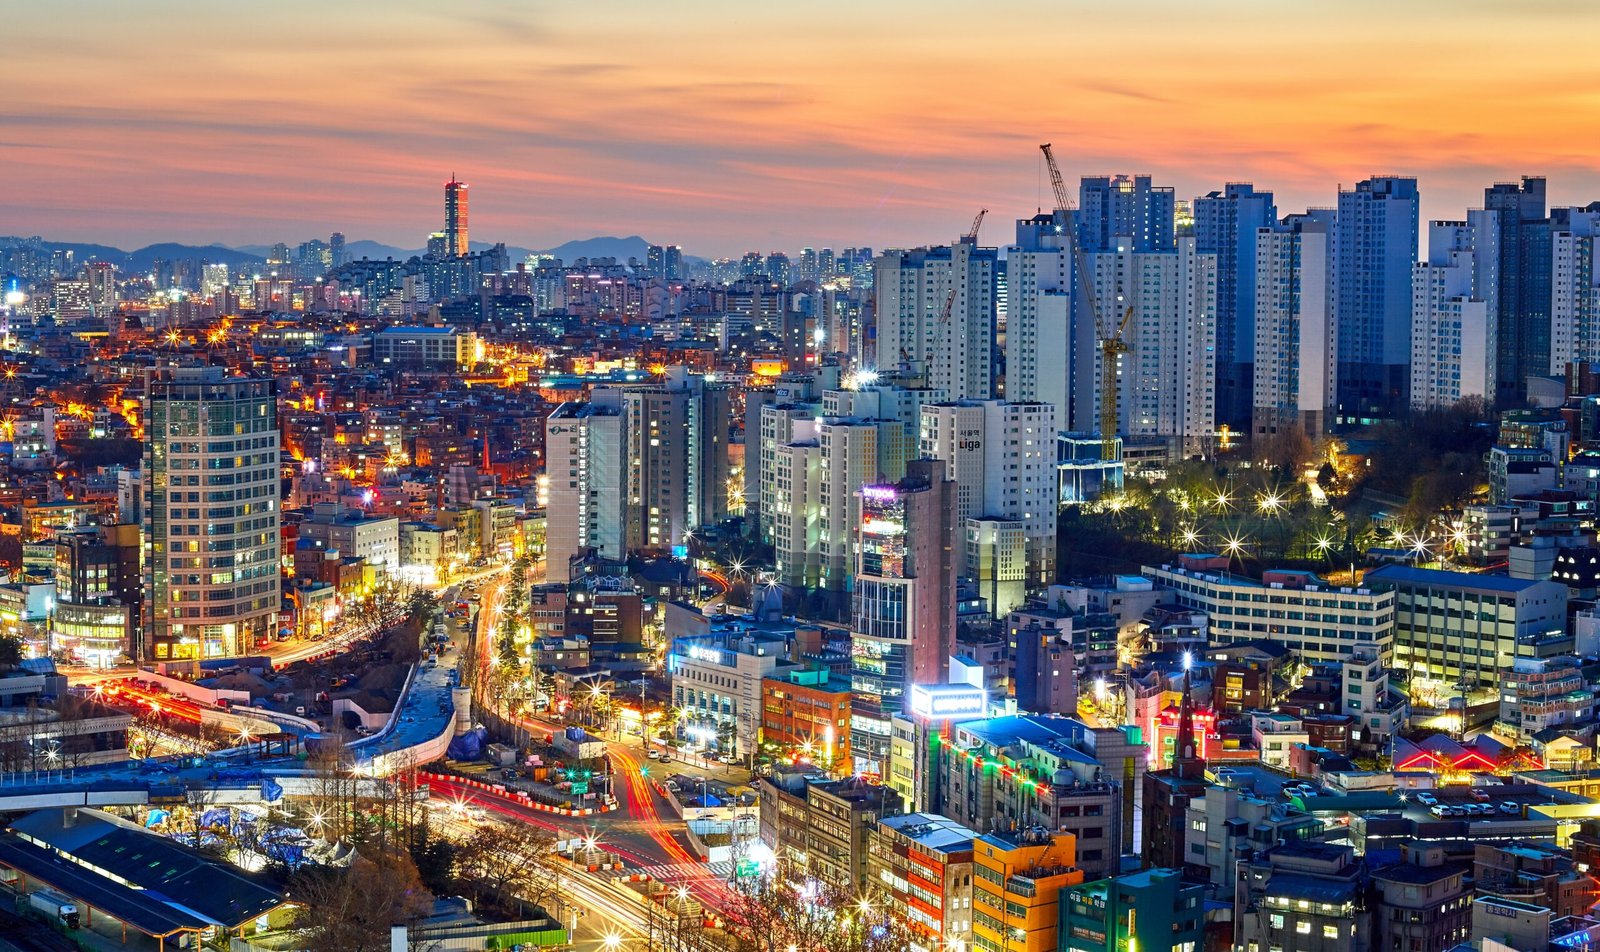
(455, 217)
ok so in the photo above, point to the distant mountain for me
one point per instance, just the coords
(141, 259)
(619, 248)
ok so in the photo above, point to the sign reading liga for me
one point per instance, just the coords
(945, 701)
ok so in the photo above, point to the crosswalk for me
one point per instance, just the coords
(678, 872)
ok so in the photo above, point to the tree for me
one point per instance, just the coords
(352, 910)
(513, 859)
(787, 909)
(10, 652)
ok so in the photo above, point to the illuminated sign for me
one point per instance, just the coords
(885, 493)
(945, 701)
(702, 653)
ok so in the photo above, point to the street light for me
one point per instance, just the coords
(613, 941)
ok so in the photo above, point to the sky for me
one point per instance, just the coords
(727, 127)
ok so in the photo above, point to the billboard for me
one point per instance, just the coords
(943, 702)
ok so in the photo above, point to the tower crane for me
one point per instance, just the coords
(1112, 343)
(970, 238)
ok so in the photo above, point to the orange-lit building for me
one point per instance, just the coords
(806, 713)
(1017, 880)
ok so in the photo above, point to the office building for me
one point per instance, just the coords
(1375, 244)
(823, 828)
(1461, 628)
(1226, 224)
(1453, 300)
(955, 347)
(1002, 457)
(455, 218)
(1294, 342)
(1521, 302)
(717, 682)
(586, 461)
(211, 462)
(354, 533)
(1318, 621)
(806, 711)
(1125, 212)
(432, 348)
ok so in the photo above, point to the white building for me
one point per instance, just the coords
(1168, 377)
(1454, 297)
(1044, 344)
(1002, 457)
(1296, 345)
(1574, 287)
(716, 681)
(911, 288)
(586, 462)
(354, 533)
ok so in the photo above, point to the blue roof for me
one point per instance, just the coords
(1416, 576)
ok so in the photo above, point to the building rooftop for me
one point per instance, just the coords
(932, 832)
(1416, 576)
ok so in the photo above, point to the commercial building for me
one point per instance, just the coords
(1017, 883)
(1151, 909)
(435, 348)
(924, 863)
(805, 712)
(355, 533)
(1310, 897)
(903, 617)
(717, 680)
(1464, 628)
(1423, 902)
(1318, 621)
(455, 218)
(822, 827)
(1375, 244)
(210, 470)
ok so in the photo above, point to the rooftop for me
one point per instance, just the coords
(1415, 576)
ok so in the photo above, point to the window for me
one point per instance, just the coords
(1303, 927)
(1330, 932)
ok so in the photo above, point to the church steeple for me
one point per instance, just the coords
(1186, 762)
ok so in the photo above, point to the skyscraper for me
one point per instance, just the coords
(1522, 304)
(1042, 336)
(211, 516)
(664, 262)
(1116, 207)
(1375, 244)
(1225, 225)
(1453, 346)
(455, 217)
(1295, 366)
(586, 466)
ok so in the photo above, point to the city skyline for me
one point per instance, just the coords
(761, 130)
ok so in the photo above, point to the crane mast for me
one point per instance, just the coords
(1112, 343)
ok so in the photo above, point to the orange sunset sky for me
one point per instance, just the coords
(728, 127)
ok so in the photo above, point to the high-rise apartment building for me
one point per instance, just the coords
(211, 517)
(1375, 244)
(455, 218)
(1453, 308)
(1168, 378)
(664, 262)
(1002, 457)
(586, 464)
(912, 288)
(903, 606)
(1574, 287)
(1045, 336)
(1125, 212)
(678, 466)
(1226, 224)
(1294, 368)
(1522, 300)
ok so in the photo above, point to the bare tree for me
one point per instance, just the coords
(352, 910)
(788, 909)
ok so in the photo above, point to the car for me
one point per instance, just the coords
(1509, 807)
(1479, 795)
(1440, 810)
(1427, 799)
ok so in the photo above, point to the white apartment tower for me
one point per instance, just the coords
(1002, 458)
(1454, 297)
(1044, 344)
(1168, 378)
(211, 515)
(1296, 347)
(586, 465)
(1574, 287)
(911, 288)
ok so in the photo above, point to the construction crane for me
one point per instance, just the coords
(971, 238)
(1112, 343)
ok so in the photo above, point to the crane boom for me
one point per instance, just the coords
(970, 238)
(1112, 344)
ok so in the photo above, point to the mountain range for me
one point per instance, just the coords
(252, 256)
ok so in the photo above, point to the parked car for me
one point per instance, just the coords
(1509, 807)
(1427, 799)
